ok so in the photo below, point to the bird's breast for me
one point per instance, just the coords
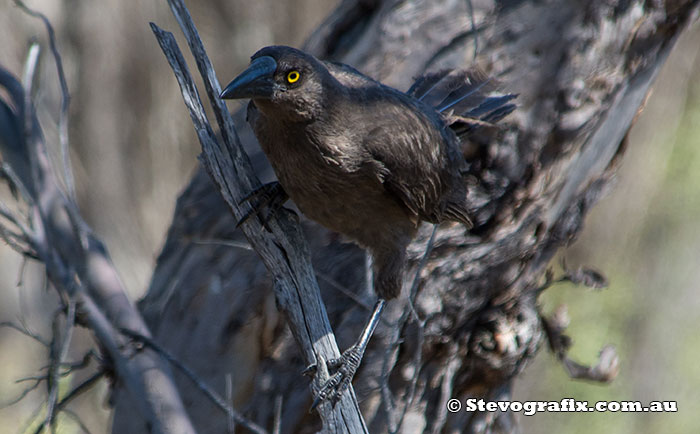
(327, 179)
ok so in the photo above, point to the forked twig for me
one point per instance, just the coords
(25, 392)
(25, 331)
(77, 390)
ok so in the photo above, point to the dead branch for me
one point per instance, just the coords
(283, 249)
(70, 396)
(25, 331)
(77, 263)
(59, 351)
(65, 96)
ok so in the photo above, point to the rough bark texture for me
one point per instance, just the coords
(582, 70)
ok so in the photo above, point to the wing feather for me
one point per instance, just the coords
(413, 144)
(419, 156)
(468, 98)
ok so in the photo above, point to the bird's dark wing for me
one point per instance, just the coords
(404, 146)
(415, 159)
(468, 99)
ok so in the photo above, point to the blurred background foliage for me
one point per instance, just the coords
(133, 150)
(645, 237)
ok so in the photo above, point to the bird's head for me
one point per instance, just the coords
(283, 82)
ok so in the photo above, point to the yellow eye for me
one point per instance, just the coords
(293, 76)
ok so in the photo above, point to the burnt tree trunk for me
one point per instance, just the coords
(582, 71)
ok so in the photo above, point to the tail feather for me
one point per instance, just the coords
(470, 104)
(468, 98)
(426, 84)
(462, 98)
(499, 113)
(489, 105)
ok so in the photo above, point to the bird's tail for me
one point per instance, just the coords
(468, 99)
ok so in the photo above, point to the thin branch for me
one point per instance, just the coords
(222, 242)
(419, 269)
(78, 264)
(77, 365)
(30, 66)
(346, 292)
(416, 362)
(231, 423)
(277, 422)
(27, 233)
(388, 404)
(57, 361)
(453, 364)
(25, 331)
(73, 415)
(79, 389)
(14, 240)
(20, 280)
(369, 274)
(38, 378)
(25, 392)
(201, 385)
(394, 344)
(15, 182)
(131, 371)
(65, 98)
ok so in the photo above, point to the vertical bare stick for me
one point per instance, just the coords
(65, 339)
(65, 99)
(283, 249)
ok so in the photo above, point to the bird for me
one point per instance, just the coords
(364, 159)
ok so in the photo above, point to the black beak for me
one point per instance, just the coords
(255, 82)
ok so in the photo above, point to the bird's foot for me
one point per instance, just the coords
(344, 368)
(270, 195)
(347, 364)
